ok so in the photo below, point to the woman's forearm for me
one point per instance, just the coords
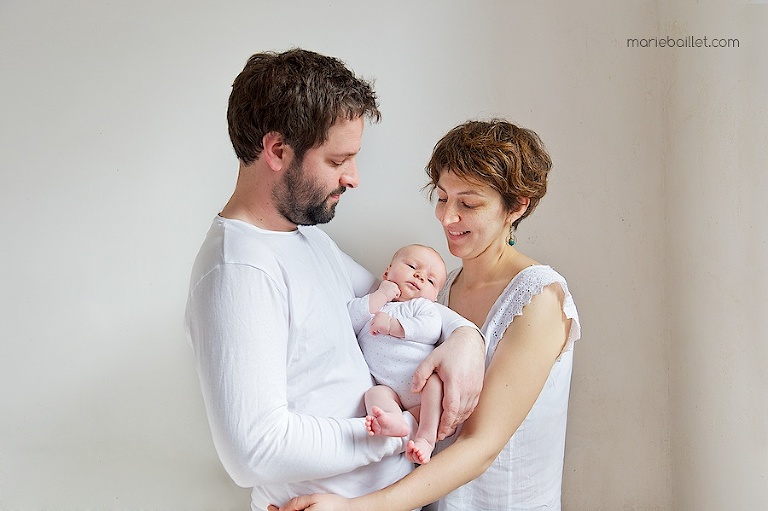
(466, 459)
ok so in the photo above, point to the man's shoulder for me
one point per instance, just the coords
(233, 242)
(315, 234)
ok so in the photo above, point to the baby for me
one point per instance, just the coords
(397, 326)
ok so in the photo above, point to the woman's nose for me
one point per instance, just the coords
(447, 215)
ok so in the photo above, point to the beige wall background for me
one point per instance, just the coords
(114, 158)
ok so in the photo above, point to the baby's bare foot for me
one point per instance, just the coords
(386, 423)
(419, 451)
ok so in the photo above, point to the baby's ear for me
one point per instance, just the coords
(386, 272)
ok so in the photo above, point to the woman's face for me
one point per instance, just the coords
(473, 215)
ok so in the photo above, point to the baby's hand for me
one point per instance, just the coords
(390, 289)
(381, 323)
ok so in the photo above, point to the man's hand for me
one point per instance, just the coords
(460, 363)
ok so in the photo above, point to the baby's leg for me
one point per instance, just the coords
(419, 450)
(385, 417)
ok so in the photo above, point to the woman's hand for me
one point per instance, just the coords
(460, 363)
(317, 502)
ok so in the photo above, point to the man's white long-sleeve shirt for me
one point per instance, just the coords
(281, 372)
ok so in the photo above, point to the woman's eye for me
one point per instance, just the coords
(441, 200)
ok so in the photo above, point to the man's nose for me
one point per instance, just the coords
(350, 178)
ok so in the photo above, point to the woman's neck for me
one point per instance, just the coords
(482, 280)
(496, 264)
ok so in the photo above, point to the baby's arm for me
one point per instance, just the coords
(361, 309)
(385, 324)
(423, 322)
(387, 292)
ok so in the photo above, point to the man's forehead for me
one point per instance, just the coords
(344, 138)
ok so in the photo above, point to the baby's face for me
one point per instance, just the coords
(418, 271)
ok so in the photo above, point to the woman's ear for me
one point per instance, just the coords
(522, 207)
(276, 151)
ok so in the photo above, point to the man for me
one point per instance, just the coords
(281, 373)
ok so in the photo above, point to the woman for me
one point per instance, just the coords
(488, 177)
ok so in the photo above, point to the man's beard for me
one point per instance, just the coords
(301, 201)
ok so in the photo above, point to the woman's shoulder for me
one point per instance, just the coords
(534, 278)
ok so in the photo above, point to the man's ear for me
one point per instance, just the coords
(277, 153)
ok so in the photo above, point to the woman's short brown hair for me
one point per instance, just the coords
(299, 94)
(510, 159)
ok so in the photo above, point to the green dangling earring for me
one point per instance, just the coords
(512, 239)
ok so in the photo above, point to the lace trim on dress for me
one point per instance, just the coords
(521, 290)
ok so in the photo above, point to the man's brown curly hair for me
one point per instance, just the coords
(299, 94)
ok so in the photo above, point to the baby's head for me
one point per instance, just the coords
(418, 271)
